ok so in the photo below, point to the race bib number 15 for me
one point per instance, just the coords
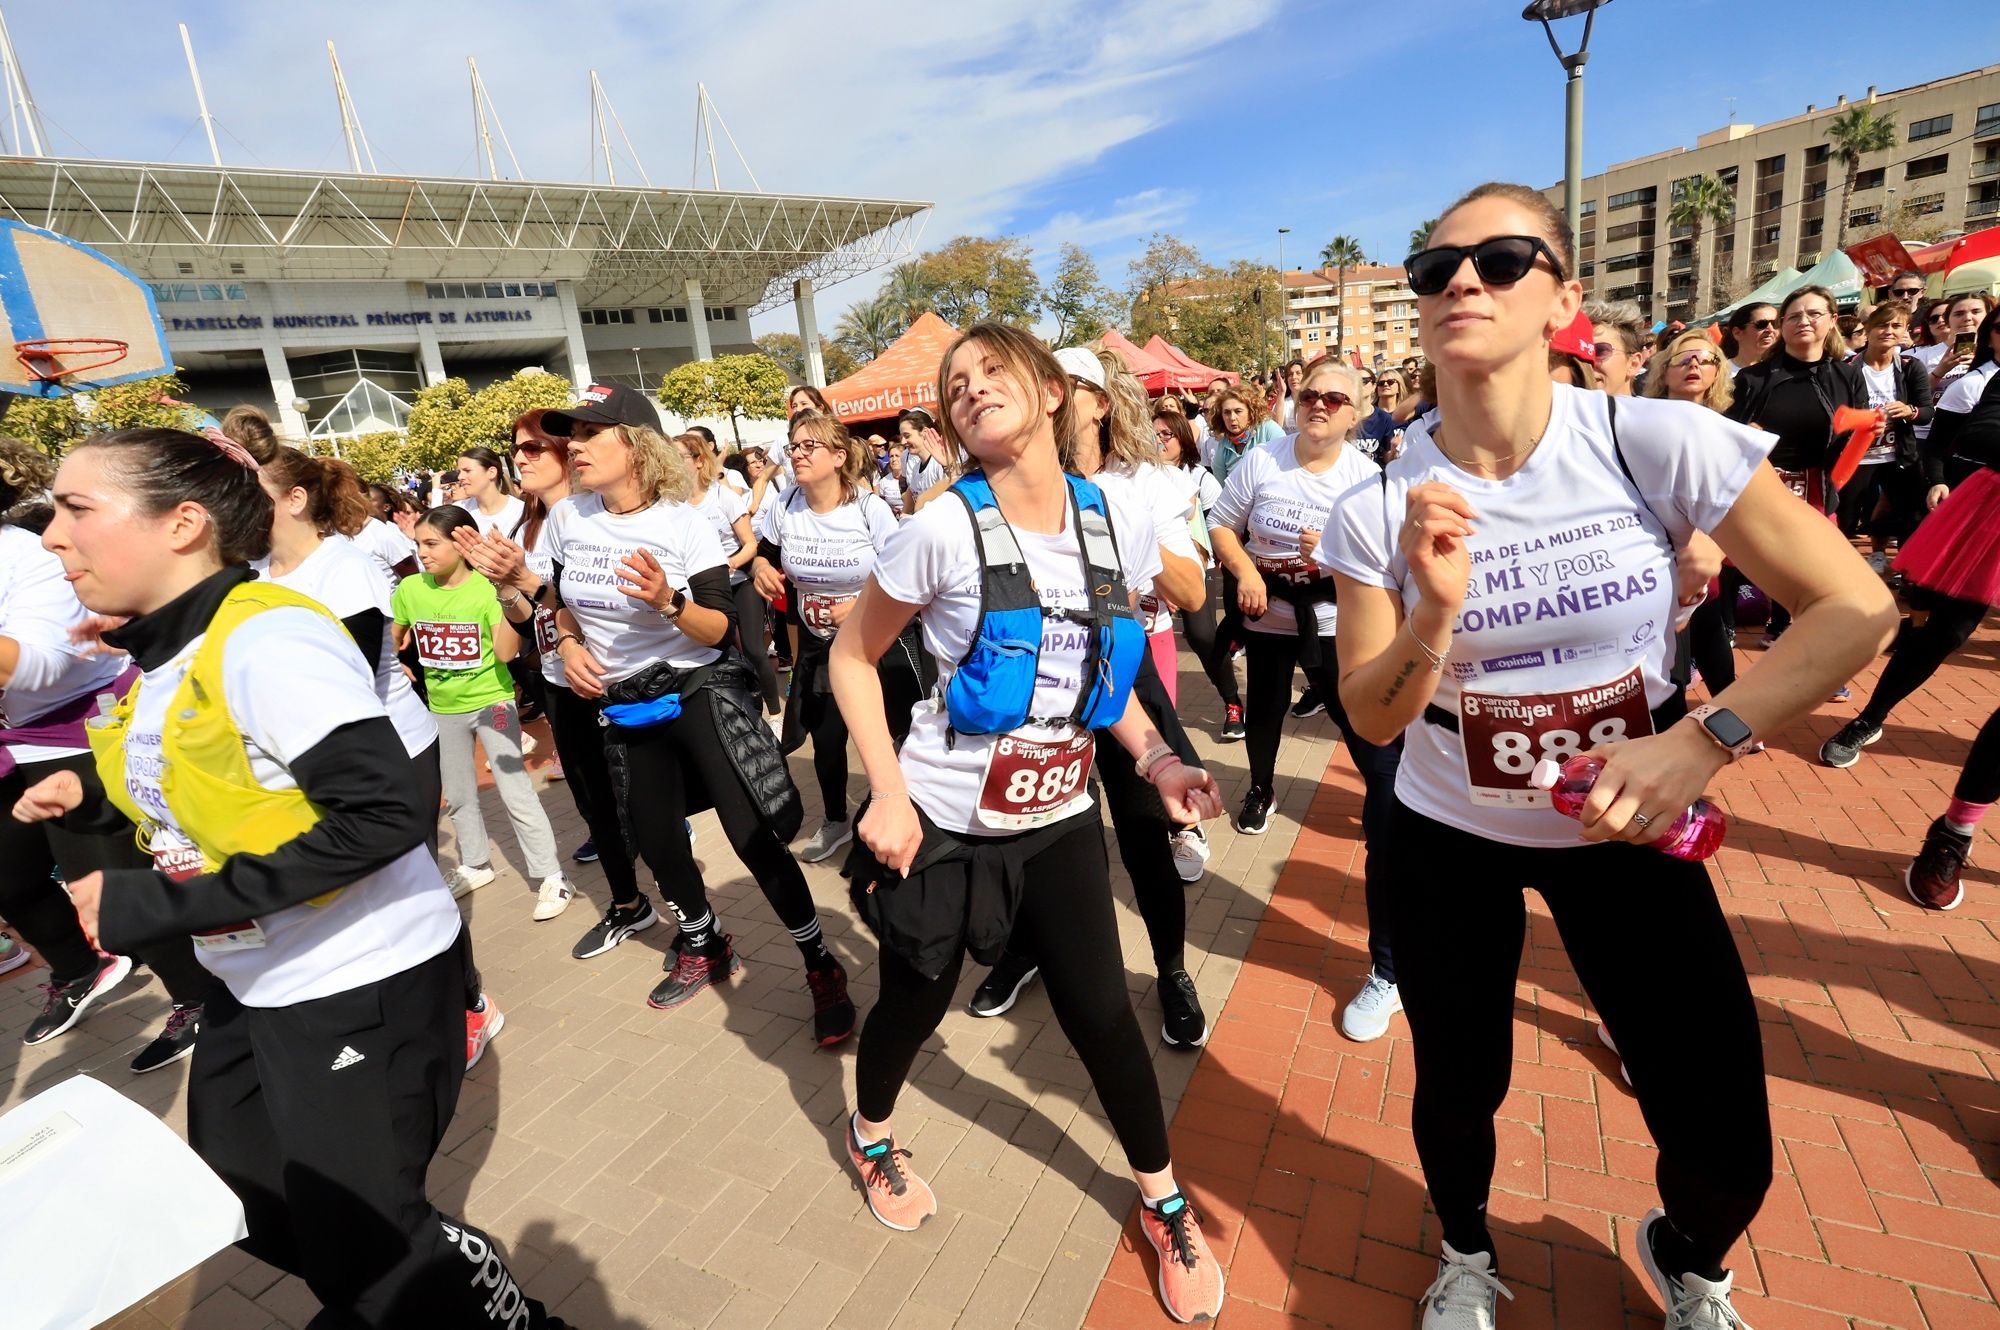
(1506, 734)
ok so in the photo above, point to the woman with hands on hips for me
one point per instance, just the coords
(1511, 597)
(984, 821)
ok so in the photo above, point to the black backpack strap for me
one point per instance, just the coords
(1618, 451)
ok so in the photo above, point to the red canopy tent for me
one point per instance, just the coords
(903, 376)
(1161, 347)
(1931, 258)
(1972, 248)
(1153, 373)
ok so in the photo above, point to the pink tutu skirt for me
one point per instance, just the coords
(1956, 549)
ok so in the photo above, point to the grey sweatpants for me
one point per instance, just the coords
(498, 730)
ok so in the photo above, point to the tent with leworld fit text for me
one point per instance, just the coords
(903, 376)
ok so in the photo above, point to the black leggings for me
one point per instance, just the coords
(1704, 645)
(1271, 658)
(1979, 781)
(1067, 918)
(820, 720)
(750, 609)
(663, 761)
(1199, 628)
(1655, 955)
(580, 744)
(31, 853)
(1920, 651)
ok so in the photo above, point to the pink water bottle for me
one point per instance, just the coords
(1695, 835)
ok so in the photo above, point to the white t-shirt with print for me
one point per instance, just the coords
(1966, 389)
(503, 521)
(1571, 593)
(37, 609)
(385, 543)
(721, 507)
(827, 555)
(591, 544)
(1167, 496)
(1271, 497)
(339, 576)
(396, 917)
(931, 564)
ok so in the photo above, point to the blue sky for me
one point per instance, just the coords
(1097, 121)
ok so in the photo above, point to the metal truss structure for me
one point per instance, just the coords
(622, 246)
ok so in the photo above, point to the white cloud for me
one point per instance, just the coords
(1125, 224)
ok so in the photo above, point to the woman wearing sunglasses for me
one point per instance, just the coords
(1502, 599)
(1267, 525)
(519, 562)
(1749, 336)
(816, 547)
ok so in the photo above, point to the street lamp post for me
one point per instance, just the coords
(1544, 12)
(1284, 293)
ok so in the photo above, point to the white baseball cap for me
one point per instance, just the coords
(1082, 364)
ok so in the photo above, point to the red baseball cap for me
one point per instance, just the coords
(1579, 340)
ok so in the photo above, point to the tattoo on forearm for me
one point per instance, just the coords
(1396, 684)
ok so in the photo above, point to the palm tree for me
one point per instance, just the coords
(906, 293)
(1699, 200)
(1421, 237)
(867, 329)
(1340, 254)
(1857, 132)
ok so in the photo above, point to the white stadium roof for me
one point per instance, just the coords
(622, 246)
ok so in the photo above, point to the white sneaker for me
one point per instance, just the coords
(830, 837)
(1604, 1037)
(12, 954)
(1367, 1015)
(1692, 1303)
(1190, 853)
(465, 879)
(528, 744)
(552, 897)
(1462, 1296)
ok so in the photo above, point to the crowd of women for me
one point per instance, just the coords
(1475, 567)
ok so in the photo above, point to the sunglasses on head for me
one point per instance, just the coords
(1500, 261)
(1307, 398)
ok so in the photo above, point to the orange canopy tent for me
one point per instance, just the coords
(903, 376)
(1153, 373)
(1166, 350)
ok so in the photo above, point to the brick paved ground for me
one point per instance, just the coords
(651, 1170)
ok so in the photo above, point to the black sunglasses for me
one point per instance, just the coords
(1501, 261)
(1906, 291)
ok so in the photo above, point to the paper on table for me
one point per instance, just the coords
(104, 1205)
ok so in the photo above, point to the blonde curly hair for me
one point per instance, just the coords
(1125, 435)
(26, 472)
(662, 473)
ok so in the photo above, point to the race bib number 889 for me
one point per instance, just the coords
(1506, 734)
(1032, 782)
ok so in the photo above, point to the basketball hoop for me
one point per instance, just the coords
(53, 359)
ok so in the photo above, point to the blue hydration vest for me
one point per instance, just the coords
(993, 688)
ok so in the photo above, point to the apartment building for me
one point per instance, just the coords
(1380, 312)
(1945, 166)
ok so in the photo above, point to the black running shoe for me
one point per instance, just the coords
(585, 853)
(64, 1004)
(1844, 748)
(1232, 723)
(689, 974)
(833, 1010)
(1309, 704)
(619, 922)
(175, 1042)
(1002, 985)
(1935, 880)
(1186, 1026)
(1254, 818)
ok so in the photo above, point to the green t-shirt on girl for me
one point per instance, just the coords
(452, 628)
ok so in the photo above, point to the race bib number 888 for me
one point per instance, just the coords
(1506, 734)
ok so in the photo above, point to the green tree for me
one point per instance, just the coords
(1697, 201)
(790, 352)
(1340, 254)
(866, 329)
(374, 457)
(747, 387)
(54, 423)
(448, 417)
(1077, 299)
(1420, 238)
(1225, 317)
(1154, 278)
(906, 292)
(1856, 132)
(972, 279)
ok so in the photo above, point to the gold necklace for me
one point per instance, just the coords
(1524, 449)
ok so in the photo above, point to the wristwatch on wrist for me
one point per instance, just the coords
(675, 604)
(1724, 727)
